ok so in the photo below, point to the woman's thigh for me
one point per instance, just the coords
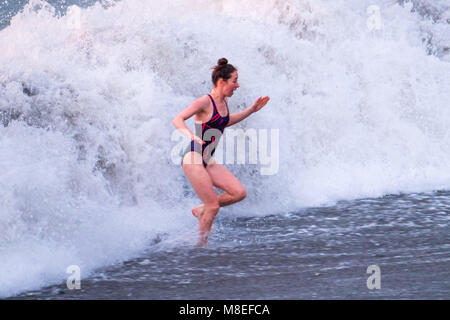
(222, 178)
(200, 179)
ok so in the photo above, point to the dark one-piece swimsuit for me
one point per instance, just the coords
(210, 132)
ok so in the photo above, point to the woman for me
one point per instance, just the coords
(211, 117)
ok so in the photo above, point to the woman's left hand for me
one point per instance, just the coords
(259, 103)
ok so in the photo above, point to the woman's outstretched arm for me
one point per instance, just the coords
(239, 116)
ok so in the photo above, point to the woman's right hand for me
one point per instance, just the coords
(191, 135)
(197, 139)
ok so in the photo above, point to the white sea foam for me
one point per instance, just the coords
(87, 101)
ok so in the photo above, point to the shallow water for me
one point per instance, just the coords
(316, 253)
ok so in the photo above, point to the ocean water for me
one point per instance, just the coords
(359, 94)
(315, 253)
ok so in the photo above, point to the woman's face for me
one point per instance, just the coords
(231, 84)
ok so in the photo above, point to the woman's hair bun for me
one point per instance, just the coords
(222, 70)
(222, 62)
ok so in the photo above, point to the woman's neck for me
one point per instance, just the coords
(217, 95)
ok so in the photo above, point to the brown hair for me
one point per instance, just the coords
(222, 70)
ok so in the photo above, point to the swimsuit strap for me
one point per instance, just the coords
(214, 105)
(215, 111)
(228, 110)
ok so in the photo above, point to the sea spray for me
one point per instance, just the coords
(86, 108)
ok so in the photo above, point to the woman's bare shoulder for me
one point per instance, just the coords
(203, 99)
(201, 102)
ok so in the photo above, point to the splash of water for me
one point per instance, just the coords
(87, 99)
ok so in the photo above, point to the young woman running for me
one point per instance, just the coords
(211, 117)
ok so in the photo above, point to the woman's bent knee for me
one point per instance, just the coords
(241, 194)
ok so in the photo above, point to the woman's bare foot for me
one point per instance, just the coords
(198, 211)
(203, 237)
